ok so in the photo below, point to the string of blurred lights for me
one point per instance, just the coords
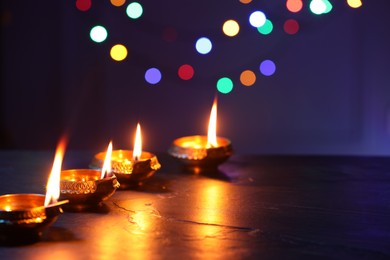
(204, 45)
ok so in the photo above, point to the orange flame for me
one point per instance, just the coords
(137, 151)
(106, 169)
(53, 183)
(212, 131)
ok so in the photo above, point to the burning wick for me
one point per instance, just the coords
(106, 169)
(131, 167)
(53, 183)
(137, 151)
(212, 130)
(201, 153)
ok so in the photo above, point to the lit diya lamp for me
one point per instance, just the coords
(200, 153)
(85, 188)
(24, 217)
(131, 167)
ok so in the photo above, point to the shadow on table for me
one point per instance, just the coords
(53, 234)
(59, 234)
(101, 208)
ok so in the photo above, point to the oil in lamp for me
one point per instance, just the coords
(24, 217)
(86, 188)
(131, 167)
(199, 153)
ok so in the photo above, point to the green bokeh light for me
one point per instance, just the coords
(266, 28)
(329, 6)
(225, 85)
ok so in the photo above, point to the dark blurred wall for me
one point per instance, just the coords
(330, 93)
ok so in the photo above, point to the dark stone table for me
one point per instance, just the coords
(264, 207)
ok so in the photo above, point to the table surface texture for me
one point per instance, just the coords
(254, 207)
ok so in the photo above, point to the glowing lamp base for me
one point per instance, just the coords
(84, 188)
(130, 172)
(23, 218)
(195, 155)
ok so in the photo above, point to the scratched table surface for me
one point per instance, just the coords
(263, 207)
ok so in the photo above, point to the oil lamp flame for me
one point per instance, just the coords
(137, 151)
(212, 131)
(53, 183)
(106, 169)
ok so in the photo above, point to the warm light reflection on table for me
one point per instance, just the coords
(259, 207)
(138, 225)
(210, 205)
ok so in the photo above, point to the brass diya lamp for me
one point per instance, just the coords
(24, 217)
(85, 188)
(131, 167)
(200, 153)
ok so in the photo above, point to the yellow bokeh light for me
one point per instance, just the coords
(245, 1)
(248, 78)
(354, 3)
(231, 28)
(118, 52)
(118, 2)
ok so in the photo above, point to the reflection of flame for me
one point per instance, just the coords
(140, 219)
(212, 131)
(53, 183)
(137, 151)
(106, 169)
(138, 227)
(212, 212)
(211, 204)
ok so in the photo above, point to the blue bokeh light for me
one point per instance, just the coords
(267, 67)
(153, 76)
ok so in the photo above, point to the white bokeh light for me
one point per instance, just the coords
(257, 19)
(98, 33)
(203, 45)
(317, 7)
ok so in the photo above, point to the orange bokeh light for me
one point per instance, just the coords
(118, 2)
(248, 78)
(294, 6)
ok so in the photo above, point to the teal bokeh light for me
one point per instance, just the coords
(225, 85)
